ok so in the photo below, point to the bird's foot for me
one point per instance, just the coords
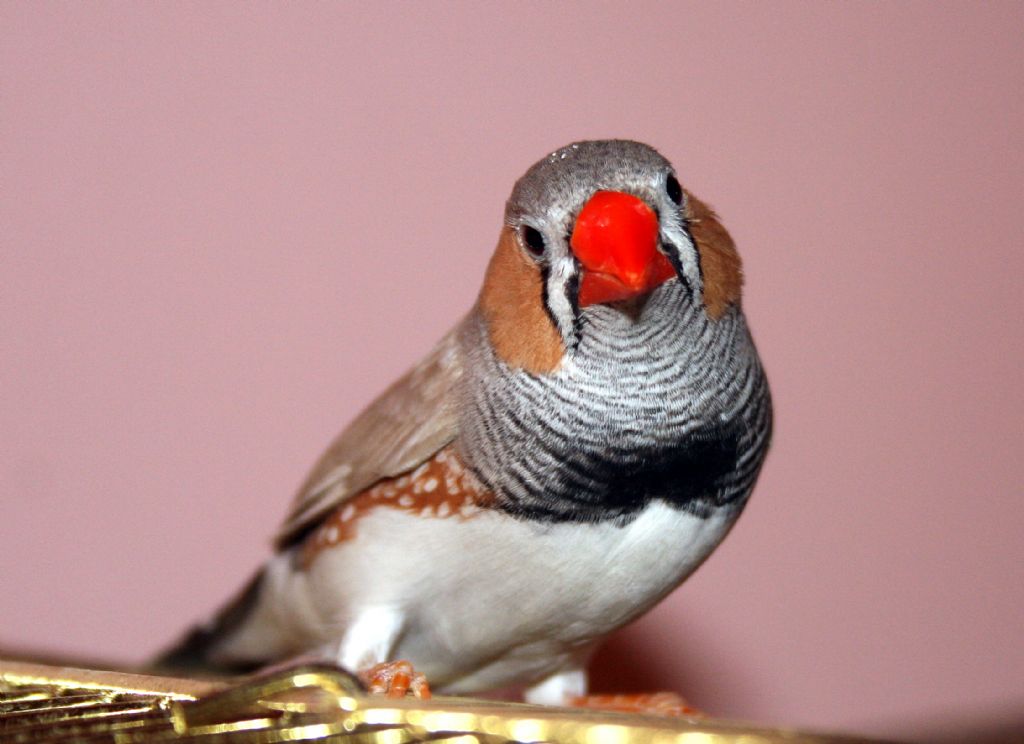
(649, 703)
(395, 679)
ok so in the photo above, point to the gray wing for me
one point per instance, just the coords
(405, 426)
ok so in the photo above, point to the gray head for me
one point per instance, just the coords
(565, 179)
(547, 200)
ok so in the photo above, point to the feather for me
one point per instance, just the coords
(401, 429)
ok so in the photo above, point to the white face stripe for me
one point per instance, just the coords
(562, 272)
(674, 232)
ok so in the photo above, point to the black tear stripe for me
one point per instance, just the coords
(572, 290)
(677, 263)
(545, 274)
(696, 251)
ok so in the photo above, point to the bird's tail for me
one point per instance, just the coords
(193, 652)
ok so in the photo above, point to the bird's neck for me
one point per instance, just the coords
(666, 326)
(635, 397)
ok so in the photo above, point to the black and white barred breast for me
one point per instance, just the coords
(670, 406)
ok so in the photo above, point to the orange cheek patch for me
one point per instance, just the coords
(723, 271)
(511, 301)
(441, 488)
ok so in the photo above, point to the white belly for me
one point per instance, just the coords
(488, 601)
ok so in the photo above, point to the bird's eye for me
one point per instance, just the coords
(533, 240)
(673, 189)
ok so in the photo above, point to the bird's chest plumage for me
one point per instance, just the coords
(493, 599)
(666, 407)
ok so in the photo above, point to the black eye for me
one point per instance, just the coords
(674, 190)
(533, 240)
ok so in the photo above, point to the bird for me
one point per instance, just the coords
(562, 459)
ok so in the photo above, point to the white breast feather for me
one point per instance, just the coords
(482, 602)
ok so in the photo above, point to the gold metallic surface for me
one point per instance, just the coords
(312, 703)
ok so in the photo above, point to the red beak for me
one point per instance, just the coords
(616, 241)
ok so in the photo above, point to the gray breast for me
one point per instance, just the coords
(672, 406)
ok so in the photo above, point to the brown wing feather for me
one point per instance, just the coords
(401, 429)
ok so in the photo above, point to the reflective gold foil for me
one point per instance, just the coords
(312, 703)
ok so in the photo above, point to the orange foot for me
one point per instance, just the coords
(395, 679)
(650, 703)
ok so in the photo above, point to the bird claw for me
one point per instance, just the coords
(395, 679)
(651, 703)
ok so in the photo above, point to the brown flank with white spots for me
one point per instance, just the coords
(440, 488)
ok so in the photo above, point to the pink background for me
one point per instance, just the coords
(226, 227)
